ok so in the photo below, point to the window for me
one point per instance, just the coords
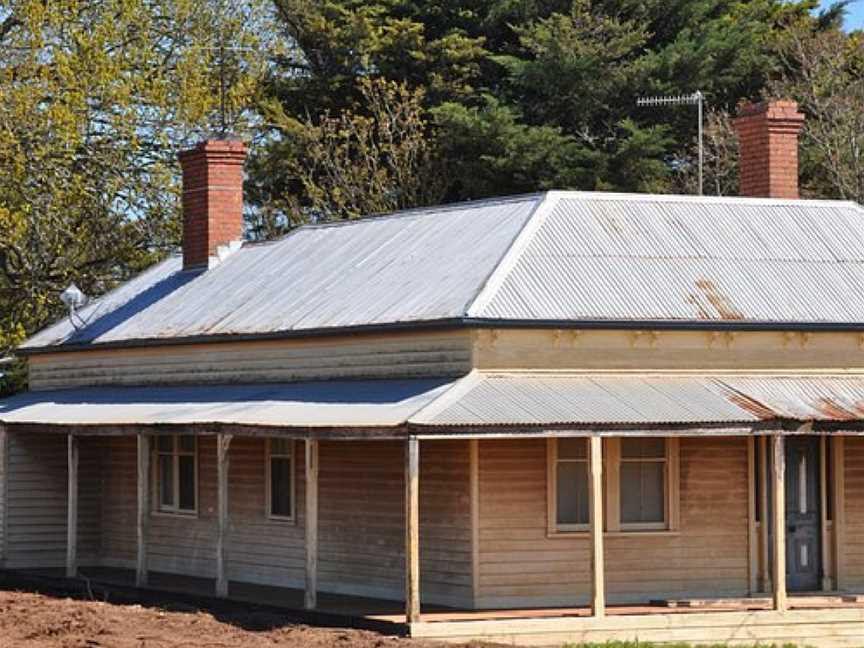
(177, 473)
(643, 483)
(640, 484)
(280, 481)
(571, 483)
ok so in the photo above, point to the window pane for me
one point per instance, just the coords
(653, 509)
(166, 480)
(280, 447)
(652, 448)
(572, 492)
(280, 487)
(165, 443)
(642, 492)
(572, 448)
(187, 443)
(187, 483)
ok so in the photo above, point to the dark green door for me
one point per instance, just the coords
(803, 514)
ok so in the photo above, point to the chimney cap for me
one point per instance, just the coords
(234, 147)
(776, 109)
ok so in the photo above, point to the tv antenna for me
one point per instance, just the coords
(696, 99)
(222, 49)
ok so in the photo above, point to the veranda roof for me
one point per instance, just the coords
(520, 402)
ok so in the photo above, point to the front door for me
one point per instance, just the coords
(803, 514)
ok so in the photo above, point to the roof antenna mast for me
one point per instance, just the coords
(696, 98)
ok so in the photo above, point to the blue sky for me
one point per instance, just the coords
(855, 15)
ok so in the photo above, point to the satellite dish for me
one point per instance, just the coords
(74, 299)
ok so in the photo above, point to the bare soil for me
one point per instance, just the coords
(31, 620)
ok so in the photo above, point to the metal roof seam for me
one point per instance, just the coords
(447, 398)
(512, 255)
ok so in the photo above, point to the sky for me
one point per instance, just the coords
(854, 15)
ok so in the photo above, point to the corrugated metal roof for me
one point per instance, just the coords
(607, 257)
(565, 256)
(349, 403)
(535, 398)
(418, 265)
(514, 400)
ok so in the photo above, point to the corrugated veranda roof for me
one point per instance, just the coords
(517, 401)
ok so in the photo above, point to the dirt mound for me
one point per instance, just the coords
(29, 620)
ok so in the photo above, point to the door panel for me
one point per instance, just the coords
(803, 514)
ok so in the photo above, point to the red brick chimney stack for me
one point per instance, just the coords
(768, 148)
(212, 199)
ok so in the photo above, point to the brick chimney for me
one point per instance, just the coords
(768, 148)
(212, 199)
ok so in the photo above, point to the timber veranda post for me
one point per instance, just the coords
(311, 594)
(595, 511)
(412, 530)
(143, 520)
(72, 508)
(779, 526)
(223, 444)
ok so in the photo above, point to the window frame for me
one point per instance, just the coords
(552, 488)
(612, 495)
(174, 510)
(268, 484)
(662, 525)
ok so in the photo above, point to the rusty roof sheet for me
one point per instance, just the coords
(561, 398)
(560, 256)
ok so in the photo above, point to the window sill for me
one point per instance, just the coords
(650, 533)
(279, 519)
(184, 515)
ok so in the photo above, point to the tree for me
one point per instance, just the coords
(824, 72)
(528, 95)
(351, 164)
(96, 98)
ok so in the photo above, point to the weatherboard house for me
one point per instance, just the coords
(555, 417)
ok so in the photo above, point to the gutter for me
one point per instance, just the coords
(450, 323)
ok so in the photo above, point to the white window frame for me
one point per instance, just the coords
(612, 494)
(268, 486)
(175, 454)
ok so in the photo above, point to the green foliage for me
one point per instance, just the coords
(649, 644)
(352, 164)
(96, 97)
(522, 96)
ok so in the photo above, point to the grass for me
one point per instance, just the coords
(649, 644)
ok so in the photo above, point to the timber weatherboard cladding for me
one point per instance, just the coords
(401, 356)
(522, 565)
(361, 519)
(36, 501)
(853, 538)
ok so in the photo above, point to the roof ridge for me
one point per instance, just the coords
(690, 198)
(422, 211)
(511, 256)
